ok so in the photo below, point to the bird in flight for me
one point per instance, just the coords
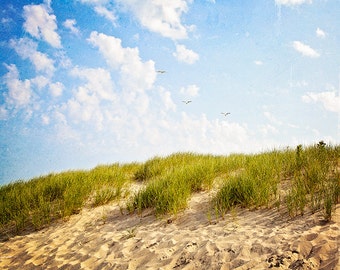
(161, 71)
(186, 101)
(225, 113)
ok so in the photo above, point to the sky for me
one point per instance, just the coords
(89, 82)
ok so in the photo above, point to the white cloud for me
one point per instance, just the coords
(40, 81)
(210, 136)
(40, 24)
(292, 2)
(305, 50)
(320, 33)
(185, 55)
(70, 24)
(95, 2)
(163, 17)
(135, 75)
(106, 13)
(27, 49)
(330, 100)
(45, 119)
(90, 99)
(167, 100)
(56, 89)
(98, 82)
(19, 92)
(190, 91)
(258, 62)
(3, 113)
(101, 8)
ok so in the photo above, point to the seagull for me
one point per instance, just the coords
(225, 113)
(161, 71)
(186, 101)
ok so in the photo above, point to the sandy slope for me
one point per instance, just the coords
(104, 238)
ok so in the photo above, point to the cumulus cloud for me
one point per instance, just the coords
(330, 100)
(98, 82)
(135, 74)
(185, 55)
(292, 2)
(70, 24)
(320, 33)
(19, 92)
(167, 100)
(163, 17)
(40, 81)
(91, 98)
(27, 49)
(56, 89)
(305, 50)
(258, 62)
(190, 91)
(210, 136)
(41, 24)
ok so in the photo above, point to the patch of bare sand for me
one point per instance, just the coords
(106, 238)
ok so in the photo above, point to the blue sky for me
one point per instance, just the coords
(80, 81)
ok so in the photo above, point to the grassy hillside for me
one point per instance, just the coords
(300, 180)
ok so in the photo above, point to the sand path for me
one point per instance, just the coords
(104, 238)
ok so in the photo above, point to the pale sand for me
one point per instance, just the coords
(104, 238)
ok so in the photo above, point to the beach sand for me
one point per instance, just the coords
(107, 238)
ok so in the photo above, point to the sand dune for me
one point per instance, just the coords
(106, 238)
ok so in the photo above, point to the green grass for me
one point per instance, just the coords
(303, 179)
(171, 180)
(311, 176)
(41, 200)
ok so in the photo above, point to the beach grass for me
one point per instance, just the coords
(171, 180)
(309, 178)
(41, 200)
(300, 179)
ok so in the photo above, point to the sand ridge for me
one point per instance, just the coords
(108, 238)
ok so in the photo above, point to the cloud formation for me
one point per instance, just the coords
(135, 74)
(185, 55)
(70, 24)
(292, 2)
(320, 33)
(42, 25)
(27, 49)
(330, 100)
(305, 50)
(162, 17)
(19, 92)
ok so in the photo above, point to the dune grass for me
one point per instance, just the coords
(38, 202)
(310, 178)
(306, 178)
(171, 180)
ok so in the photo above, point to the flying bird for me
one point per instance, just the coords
(225, 113)
(161, 71)
(186, 101)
